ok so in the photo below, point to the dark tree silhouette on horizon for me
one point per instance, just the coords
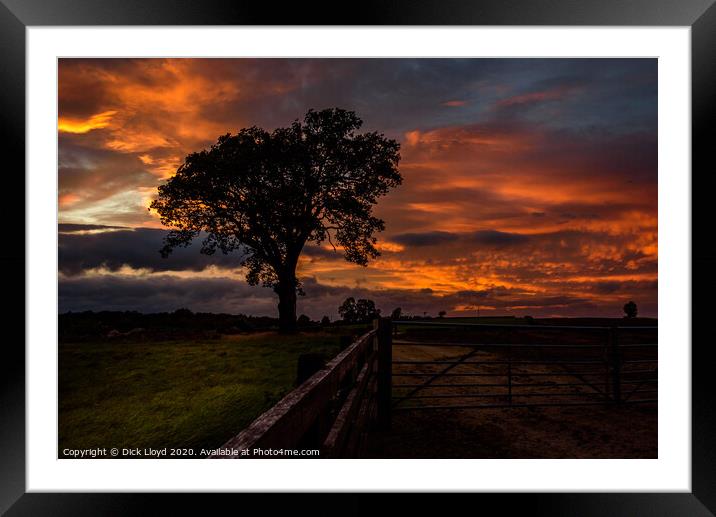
(630, 310)
(266, 194)
(361, 311)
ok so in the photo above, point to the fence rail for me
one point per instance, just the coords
(523, 364)
(455, 324)
(334, 409)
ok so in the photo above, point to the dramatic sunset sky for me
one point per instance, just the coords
(530, 185)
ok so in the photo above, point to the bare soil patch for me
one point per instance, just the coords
(569, 432)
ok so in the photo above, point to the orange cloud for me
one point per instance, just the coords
(66, 200)
(531, 97)
(454, 103)
(81, 126)
(549, 94)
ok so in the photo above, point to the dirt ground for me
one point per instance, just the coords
(570, 432)
(592, 431)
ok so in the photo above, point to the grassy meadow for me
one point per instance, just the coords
(176, 394)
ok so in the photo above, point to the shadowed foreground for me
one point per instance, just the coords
(569, 432)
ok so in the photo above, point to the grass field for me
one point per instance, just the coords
(175, 394)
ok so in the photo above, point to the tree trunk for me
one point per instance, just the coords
(286, 306)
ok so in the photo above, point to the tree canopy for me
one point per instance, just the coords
(266, 194)
(630, 310)
(361, 311)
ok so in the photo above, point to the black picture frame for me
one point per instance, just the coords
(17, 15)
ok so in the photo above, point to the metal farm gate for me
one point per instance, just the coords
(468, 366)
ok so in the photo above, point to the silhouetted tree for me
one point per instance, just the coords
(361, 311)
(347, 310)
(441, 314)
(395, 315)
(325, 321)
(266, 194)
(366, 311)
(630, 310)
(303, 320)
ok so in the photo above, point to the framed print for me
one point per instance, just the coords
(421, 250)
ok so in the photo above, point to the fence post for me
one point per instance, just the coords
(509, 374)
(606, 357)
(385, 365)
(616, 365)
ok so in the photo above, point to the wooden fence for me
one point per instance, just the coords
(335, 409)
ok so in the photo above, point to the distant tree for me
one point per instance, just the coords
(347, 310)
(395, 315)
(441, 314)
(303, 320)
(630, 310)
(325, 321)
(366, 310)
(266, 194)
(361, 311)
(183, 312)
(530, 320)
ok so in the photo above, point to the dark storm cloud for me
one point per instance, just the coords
(364, 85)
(631, 287)
(137, 248)
(161, 293)
(492, 238)
(425, 239)
(78, 228)
(497, 239)
(320, 252)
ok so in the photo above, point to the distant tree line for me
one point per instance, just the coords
(398, 314)
(185, 324)
(180, 324)
(364, 311)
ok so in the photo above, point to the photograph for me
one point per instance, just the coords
(436, 251)
(357, 258)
